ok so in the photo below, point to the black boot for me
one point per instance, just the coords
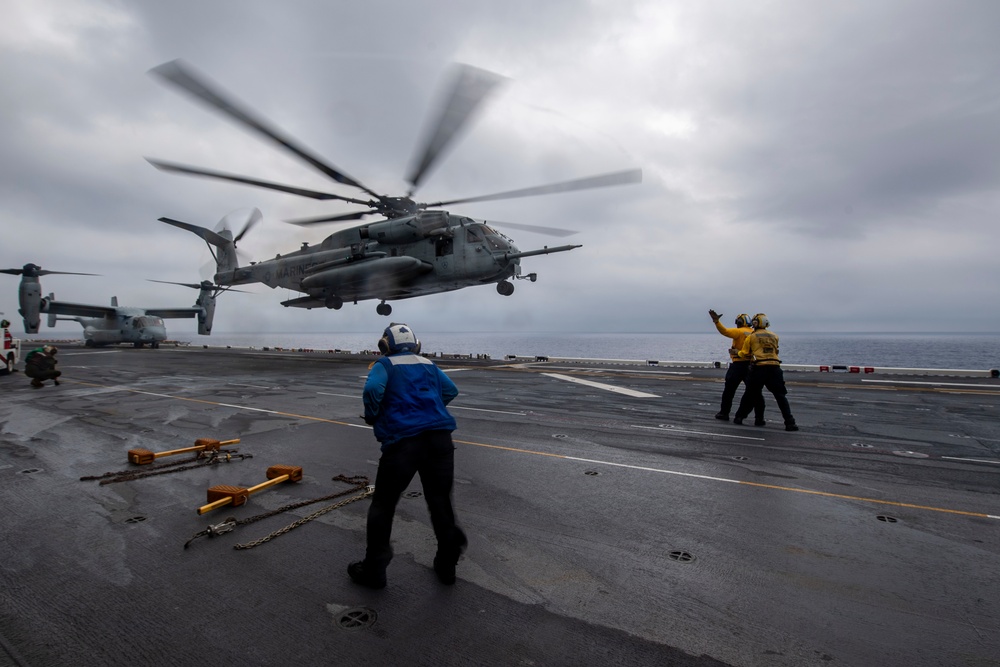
(367, 575)
(723, 416)
(446, 559)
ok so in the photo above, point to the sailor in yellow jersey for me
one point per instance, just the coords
(738, 369)
(761, 348)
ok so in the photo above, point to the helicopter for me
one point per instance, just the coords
(417, 249)
(107, 325)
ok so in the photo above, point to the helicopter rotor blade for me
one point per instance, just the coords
(305, 222)
(604, 180)
(255, 217)
(184, 77)
(44, 272)
(538, 229)
(196, 171)
(210, 285)
(469, 88)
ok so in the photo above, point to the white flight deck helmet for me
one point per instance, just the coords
(398, 338)
(760, 321)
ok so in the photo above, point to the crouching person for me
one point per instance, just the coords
(40, 365)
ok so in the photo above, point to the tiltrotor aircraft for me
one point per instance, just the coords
(413, 251)
(107, 325)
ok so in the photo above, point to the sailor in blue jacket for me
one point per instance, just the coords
(405, 397)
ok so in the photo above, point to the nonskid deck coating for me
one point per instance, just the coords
(605, 528)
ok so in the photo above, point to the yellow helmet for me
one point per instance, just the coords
(760, 321)
(742, 320)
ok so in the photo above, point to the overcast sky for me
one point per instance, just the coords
(835, 165)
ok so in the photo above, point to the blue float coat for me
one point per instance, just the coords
(406, 394)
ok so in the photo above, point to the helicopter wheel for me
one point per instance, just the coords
(383, 309)
(334, 302)
(505, 288)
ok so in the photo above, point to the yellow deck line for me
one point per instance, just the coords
(563, 456)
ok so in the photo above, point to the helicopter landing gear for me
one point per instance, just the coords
(383, 309)
(531, 276)
(334, 302)
(505, 288)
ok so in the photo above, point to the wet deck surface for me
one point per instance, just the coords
(605, 527)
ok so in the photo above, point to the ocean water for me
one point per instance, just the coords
(887, 350)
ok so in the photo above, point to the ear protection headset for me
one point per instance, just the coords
(742, 320)
(398, 338)
(760, 321)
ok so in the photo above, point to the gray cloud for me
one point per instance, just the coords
(832, 165)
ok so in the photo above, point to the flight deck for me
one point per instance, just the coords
(611, 519)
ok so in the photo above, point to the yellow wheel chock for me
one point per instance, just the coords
(219, 496)
(143, 456)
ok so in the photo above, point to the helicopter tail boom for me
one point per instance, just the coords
(220, 244)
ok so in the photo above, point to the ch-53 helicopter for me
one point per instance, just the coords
(114, 324)
(414, 251)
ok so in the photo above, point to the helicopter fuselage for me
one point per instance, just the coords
(392, 259)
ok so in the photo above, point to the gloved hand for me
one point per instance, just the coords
(714, 315)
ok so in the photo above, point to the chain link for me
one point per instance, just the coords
(199, 460)
(358, 481)
(250, 545)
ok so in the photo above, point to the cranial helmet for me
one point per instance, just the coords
(760, 321)
(5, 323)
(742, 320)
(398, 338)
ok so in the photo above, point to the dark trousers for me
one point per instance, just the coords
(432, 455)
(41, 373)
(773, 379)
(737, 373)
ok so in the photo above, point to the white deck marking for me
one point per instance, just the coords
(605, 387)
(499, 412)
(934, 384)
(958, 458)
(681, 430)
(450, 407)
(326, 393)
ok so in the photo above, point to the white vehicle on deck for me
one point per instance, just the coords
(11, 351)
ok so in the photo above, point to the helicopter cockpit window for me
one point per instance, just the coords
(472, 235)
(495, 240)
(147, 321)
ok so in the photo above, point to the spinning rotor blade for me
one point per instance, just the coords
(199, 285)
(538, 229)
(469, 87)
(305, 222)
(602, 181)
(195, 171)
(35, 270)
(255, 217)
(184, 77)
